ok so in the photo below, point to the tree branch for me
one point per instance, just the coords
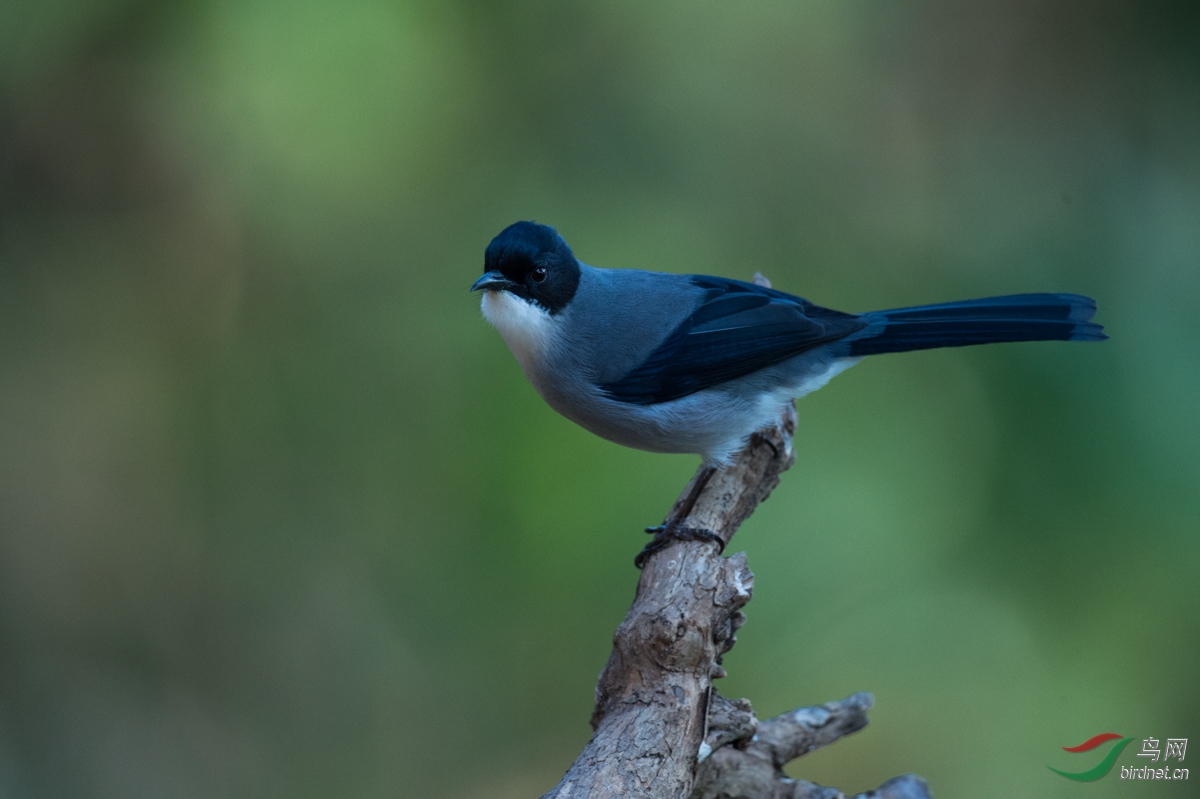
(745, 758)
(660, 728)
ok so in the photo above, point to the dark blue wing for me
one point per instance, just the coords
(738, 329)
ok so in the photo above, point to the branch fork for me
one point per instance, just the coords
(661, 729)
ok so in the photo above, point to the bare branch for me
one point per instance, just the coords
(752, 766)
(787, 737)
(729, 722)
(660, 728)
(906, 786)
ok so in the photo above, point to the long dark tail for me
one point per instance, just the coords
(1019, 317)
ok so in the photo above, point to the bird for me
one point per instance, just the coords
(698, 364)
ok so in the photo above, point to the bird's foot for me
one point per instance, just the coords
(664, 534)
(759, 438)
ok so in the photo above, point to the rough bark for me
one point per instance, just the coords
(660, 728)
(743, 757)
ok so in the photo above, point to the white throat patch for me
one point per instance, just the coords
(527, 329)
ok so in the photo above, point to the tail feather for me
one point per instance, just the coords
(1018, 317)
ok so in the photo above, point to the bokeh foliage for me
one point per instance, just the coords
(279, 515)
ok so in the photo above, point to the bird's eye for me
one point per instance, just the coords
(539, 274)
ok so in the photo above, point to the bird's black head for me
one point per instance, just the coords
(533, 262)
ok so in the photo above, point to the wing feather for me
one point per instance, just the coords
(739, 328)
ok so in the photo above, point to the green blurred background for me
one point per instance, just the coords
(280, 516)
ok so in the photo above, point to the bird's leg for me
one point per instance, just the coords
(689, 502)
(759, 438)
(671, 530)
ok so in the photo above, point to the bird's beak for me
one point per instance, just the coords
(492, 281)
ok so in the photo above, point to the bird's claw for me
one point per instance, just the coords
(664, 534)
(759, 438)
